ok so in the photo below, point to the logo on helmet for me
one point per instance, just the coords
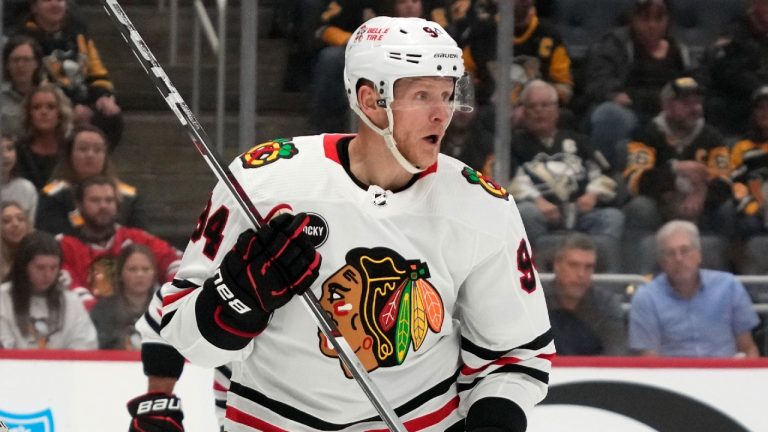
(446, 55)
(360, 32)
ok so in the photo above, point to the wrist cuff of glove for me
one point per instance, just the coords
(219, 325)
(496, 414)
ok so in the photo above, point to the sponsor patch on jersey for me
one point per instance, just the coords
(490, 186)
(384, 306)
(316, 229)
(41, 421)
(268, 152)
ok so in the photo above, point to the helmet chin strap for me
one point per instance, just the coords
(389, 138)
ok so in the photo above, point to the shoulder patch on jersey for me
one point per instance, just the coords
(490, 186)
(268, 152)
(384, 305)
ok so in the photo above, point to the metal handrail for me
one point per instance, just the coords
(632, 281)
(217, 40)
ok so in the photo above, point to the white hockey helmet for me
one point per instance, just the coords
(385, 49)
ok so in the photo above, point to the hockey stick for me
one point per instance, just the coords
(224, 175)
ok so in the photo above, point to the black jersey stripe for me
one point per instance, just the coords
(513, 368)
(166, 319)
(491, 355)
(153, 324)
(184, 284)
(288, 412)
(225, 371)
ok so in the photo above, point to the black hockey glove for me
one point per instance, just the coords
(155, 412)
(261, 273)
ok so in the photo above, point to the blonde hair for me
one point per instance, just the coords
(63, 106)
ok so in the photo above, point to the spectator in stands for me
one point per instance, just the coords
(14, 225)
(13, 187)
(538, 49)
(46, 122)
(586, 320)
(688, 311)
(36, 310)
(749, 160)
(72, 62)
(678, 168)
(625, 71)
(740, 66)
(559, 181)
(89, 252)
(328, 101)
(22, 71)
(85, 155)
(136, 282)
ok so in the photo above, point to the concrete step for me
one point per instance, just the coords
(135, 90)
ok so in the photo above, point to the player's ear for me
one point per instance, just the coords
(367, 97)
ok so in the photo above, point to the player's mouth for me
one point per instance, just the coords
(432, 139)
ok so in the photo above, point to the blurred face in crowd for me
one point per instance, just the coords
(43, 271)
(540, 111)
(422, 110)
(680, 259)
(8, 152)
(15, 224)
(99, 206)
(573, 271)
(21, 65)
(89, 154)
(649, 24)
(44, 112)
(49, 14)
(408, 8)
(138, 274)
(684, 112)
(760, 115)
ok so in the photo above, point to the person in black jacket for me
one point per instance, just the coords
(626, 70)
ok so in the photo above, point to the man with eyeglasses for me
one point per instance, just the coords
(687, 311)
(560, 183)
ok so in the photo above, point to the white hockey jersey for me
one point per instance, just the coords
(433, 286)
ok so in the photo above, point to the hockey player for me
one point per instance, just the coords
(425, 265)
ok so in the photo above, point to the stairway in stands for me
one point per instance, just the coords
(156, 154)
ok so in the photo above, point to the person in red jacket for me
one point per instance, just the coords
(90, 252)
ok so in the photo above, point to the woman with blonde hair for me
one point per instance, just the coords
(46, 122)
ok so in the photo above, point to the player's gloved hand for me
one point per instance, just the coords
(261, 273)
(155, 412)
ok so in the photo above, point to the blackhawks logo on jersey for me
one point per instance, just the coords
(490, 186)
(383, 305)
(268, 152)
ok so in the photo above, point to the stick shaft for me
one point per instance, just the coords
(225, 176)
